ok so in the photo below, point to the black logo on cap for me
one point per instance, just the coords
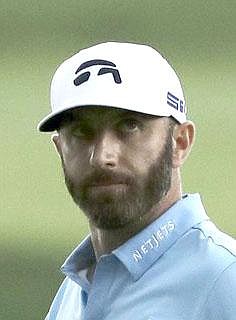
(83, 77)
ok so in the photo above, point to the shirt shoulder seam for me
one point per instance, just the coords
(217, 244)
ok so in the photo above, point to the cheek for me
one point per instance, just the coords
(75, 159)
(142, 156)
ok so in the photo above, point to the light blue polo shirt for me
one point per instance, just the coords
(179, 267)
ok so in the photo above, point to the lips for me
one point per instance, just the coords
(107, 183)
(108, 186)
(107, 189)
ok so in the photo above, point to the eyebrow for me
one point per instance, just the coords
(139, 115)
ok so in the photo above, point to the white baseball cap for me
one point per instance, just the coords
(122, 75)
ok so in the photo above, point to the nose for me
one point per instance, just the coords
(105, 151)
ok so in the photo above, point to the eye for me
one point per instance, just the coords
(129, 125)
(82, 131)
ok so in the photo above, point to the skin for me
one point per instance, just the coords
(120, 141)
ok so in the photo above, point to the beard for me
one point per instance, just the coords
(118, 208)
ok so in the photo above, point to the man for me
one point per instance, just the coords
(122, 136)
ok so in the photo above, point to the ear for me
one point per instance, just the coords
(57, 143)
(183, 139)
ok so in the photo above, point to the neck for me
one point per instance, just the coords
(105, 241)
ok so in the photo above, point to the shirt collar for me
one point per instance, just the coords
(146, 247)
(79, 261)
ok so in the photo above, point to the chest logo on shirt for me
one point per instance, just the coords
(154, 241)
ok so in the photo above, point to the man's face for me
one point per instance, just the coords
(117, 163)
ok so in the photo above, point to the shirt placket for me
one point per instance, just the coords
(98, 296)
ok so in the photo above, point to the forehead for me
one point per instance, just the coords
(96, 113)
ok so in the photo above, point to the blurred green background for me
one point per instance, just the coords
(39, 222)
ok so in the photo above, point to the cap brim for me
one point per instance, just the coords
(52, 121)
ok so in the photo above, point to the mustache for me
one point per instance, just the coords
(105, 177)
